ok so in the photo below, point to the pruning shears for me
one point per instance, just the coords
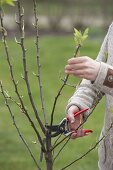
(63, 126)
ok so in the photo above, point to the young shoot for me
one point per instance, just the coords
(80, 37)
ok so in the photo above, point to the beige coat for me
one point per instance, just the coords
(88, 92)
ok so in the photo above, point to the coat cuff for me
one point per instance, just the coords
(104, 78)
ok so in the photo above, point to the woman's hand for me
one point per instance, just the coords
(83, 67)
(74, 122)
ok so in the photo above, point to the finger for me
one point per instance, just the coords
(74, 120)
(70, 117)
(79, 66)
(83, 132)
(77, 60)
(75, 124)
(80, 133)
(76, 72)
(77, 134)
(79, 73)
(73, 135)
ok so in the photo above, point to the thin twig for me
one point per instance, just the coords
(14, 123)
(68, 136)
(38, 60)
(57, 144)
(61, 149)
(91, 149)
(13, 100)
(92, 110)
(22, 34)
(22, 106)
(70, 85)
(84, 120)
(56, 141)
(30, 120)
(61, 88)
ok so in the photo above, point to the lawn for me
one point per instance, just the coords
(54, 53)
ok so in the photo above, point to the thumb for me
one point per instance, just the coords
(70, 114)
(70, 117)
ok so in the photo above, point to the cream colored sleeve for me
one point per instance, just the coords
(89, 93)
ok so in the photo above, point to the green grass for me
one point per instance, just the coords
(55, 51)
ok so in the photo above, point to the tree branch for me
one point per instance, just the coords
(14, 123)
(38, 60)
(91, 149)
(61, 88)
(21, 29)
(70, 85)
(61, 149)
(84, 120)
(22, 106)
(29, 119)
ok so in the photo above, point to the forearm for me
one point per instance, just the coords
(86, 96)
(89, 93)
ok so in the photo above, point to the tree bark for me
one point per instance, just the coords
(48, 153)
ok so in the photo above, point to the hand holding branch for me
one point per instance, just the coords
(83, 67)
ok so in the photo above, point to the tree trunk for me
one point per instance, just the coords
(48, 153)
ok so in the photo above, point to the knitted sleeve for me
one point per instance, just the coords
(104, 80)
(88, 93)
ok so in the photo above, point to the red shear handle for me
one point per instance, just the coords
(87, 131)
(81, 111)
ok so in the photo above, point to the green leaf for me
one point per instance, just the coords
(86, 32)
(79, 38)
(7, 2)
(77, 33)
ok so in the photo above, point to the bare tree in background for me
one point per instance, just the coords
(43, 134)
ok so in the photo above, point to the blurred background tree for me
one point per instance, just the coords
(56, 16)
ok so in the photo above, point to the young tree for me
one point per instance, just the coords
(44, 133)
